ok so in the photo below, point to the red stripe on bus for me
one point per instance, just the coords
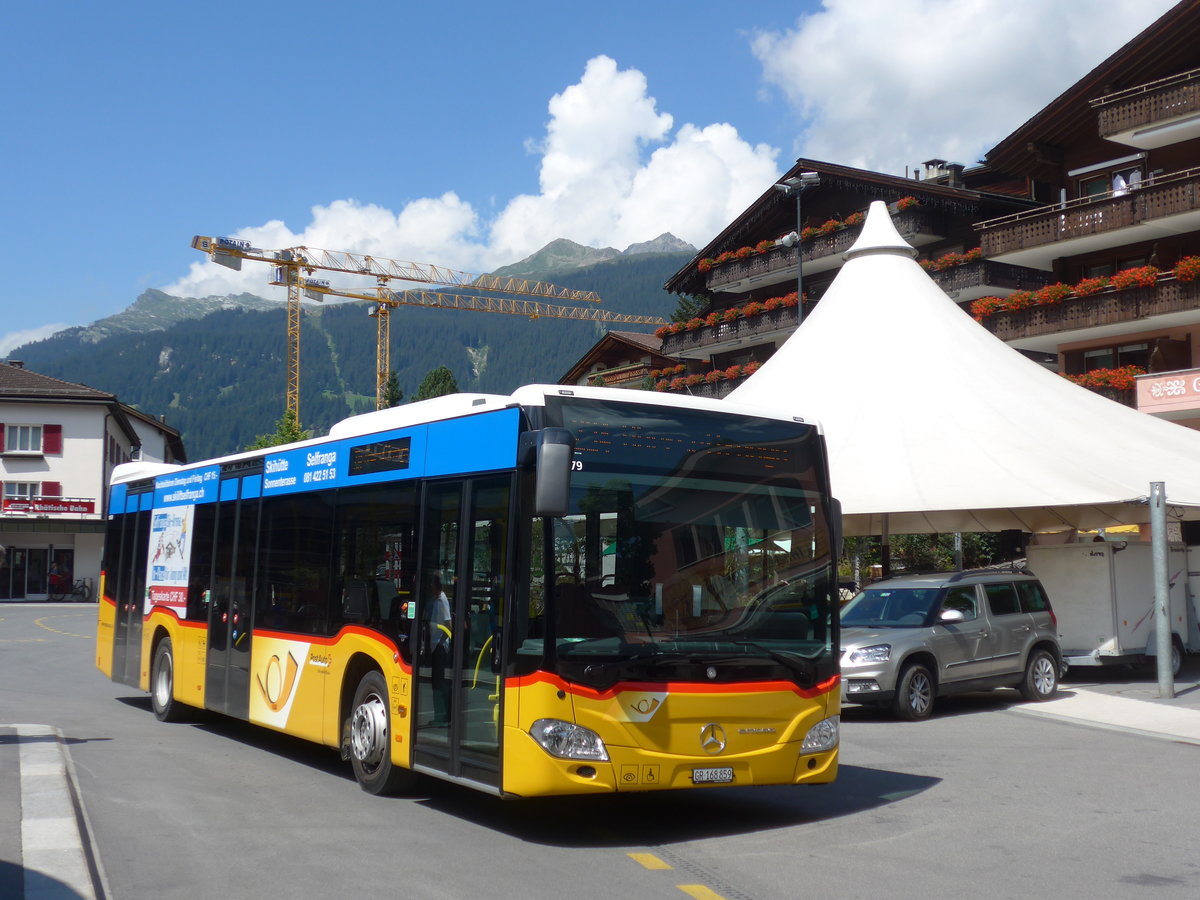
(676, 687)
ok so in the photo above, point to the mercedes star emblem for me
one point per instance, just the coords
(712, 738)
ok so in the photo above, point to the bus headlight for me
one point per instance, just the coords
(567, 740)
(822, 736)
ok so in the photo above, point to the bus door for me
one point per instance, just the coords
(465, 551)
(131, 589)
(227, 675)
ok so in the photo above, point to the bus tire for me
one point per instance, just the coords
(371, 740)
(162, 684)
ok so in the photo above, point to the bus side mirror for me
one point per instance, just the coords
(552, 470)
(835, 526)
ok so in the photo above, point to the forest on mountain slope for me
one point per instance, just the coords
(221, 379)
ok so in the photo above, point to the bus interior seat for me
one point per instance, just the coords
(356, 603)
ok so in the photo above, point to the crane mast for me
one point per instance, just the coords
(294, 267)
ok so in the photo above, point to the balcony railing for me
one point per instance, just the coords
(917, 226)
(1087, 216)
(1108, 308)
(985, 277)
(786, 317)
(1147, 104)
(714, 390)
(621, 376)
(1117, 395)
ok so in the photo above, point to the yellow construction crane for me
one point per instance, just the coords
(291, 262)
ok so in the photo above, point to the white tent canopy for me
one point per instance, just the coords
(934, 422)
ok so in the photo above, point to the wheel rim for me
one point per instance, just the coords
(920, 694)
(368, 731)
(1043, 676)
(162, 681)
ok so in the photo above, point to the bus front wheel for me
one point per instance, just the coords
(371, 742)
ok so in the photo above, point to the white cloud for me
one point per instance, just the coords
(884, 85)
(597, 186)
(14, 339)
(426, 229)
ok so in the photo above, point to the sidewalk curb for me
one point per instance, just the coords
(1101, 710)
(57, 852)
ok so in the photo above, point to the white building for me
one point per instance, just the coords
(58, 444)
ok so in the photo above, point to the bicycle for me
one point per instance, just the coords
(81, 590)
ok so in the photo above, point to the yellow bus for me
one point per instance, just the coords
(562, 591)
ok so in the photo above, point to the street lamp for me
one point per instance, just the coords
(796, 185)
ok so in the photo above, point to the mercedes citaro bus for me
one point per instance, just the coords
(562, 591)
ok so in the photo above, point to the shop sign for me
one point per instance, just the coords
(49, 505)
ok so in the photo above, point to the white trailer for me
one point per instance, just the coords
(1102, 593)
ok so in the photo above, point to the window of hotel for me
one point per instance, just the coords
(1080, 361)
(1118, 181)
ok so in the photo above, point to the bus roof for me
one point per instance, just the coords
(453, 406)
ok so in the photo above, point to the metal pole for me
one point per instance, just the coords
(958, 551)
(1162, 589)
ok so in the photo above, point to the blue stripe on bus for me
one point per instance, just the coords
(481, 443)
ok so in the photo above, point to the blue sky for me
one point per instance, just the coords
(470, 134)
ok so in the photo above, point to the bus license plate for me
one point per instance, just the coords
(712, 776)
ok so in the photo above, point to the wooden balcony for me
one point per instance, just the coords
(1152, 115)
(715, 390)
(1117, 395)
(621, 376)
(778, 265)
(708, 339)
(1169, 303)
(1170, 205)
(987, 278)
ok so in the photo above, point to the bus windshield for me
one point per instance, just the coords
(696, 548)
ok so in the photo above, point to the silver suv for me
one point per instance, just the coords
(910, 639)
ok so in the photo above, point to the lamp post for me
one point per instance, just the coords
(796, 185)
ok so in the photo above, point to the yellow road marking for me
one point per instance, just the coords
(699, 892)
(41, 623)
(23, 641)
(649, 860)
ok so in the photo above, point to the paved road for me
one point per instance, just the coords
(991, 798)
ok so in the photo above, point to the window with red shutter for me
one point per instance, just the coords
(52, 439)
(51, 489)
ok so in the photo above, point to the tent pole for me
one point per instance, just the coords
(1162, 590)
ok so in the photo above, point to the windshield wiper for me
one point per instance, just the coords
(794, 662)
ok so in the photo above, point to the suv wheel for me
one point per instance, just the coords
(1041, 677)
(914, 694)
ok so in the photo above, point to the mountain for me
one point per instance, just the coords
(562, 256)
(155, 311)
(557, 257)
(664, 243)
(220, 378)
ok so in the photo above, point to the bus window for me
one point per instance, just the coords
(376, 559)
(295, 559)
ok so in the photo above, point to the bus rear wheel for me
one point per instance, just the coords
(162, 684)
(371, 740)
